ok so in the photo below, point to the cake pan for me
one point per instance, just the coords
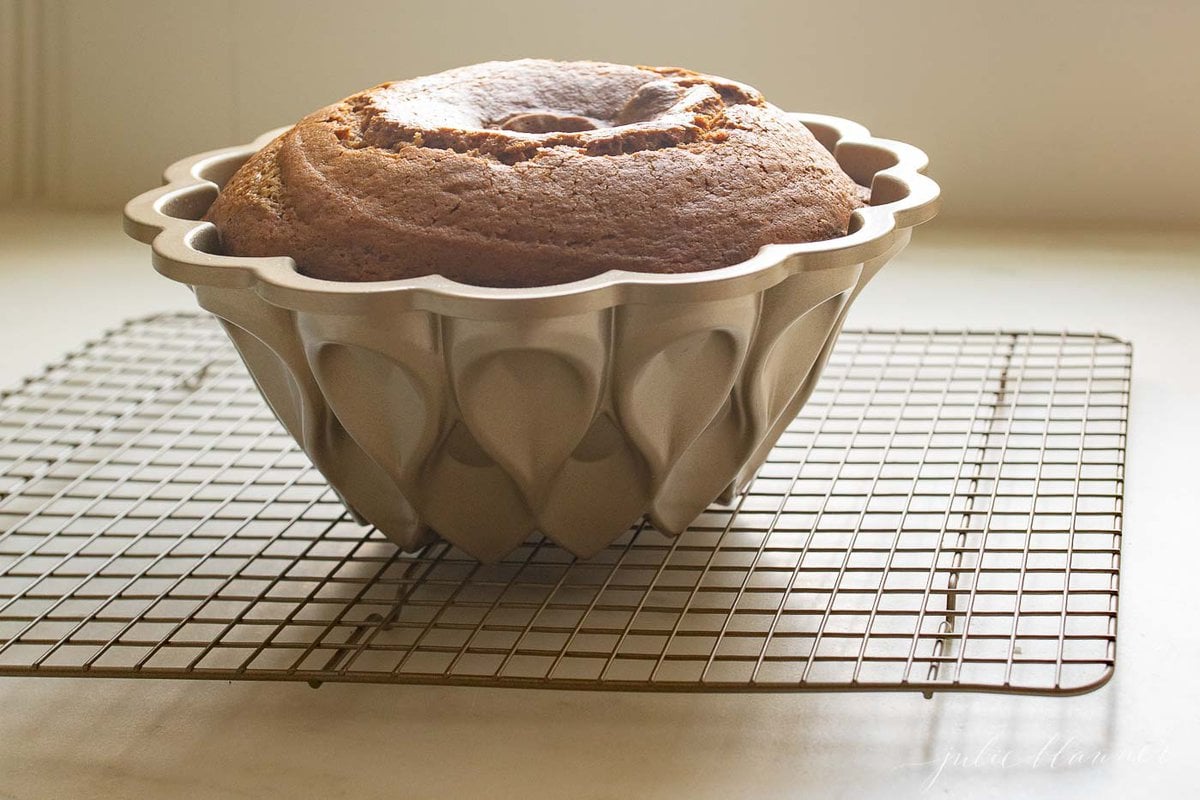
(483, 414)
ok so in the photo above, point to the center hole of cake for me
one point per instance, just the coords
(547, 122)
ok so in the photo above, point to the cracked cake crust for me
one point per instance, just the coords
(532, 173)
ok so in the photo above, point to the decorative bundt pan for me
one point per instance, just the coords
(483, 414)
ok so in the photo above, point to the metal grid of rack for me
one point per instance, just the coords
(944, 515)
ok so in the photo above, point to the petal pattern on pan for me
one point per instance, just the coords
(702, 471)
(393, 416)
(470, 500)
(691, 354)
(603, 487)
(528, 391)
(794, 328)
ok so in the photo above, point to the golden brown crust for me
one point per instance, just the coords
(532, 173)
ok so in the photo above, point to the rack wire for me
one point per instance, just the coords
(944, 515)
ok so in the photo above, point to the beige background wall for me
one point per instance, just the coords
(1072, 112)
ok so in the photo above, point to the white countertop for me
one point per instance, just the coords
(65, 278)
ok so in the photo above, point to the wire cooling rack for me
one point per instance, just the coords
(945, 515)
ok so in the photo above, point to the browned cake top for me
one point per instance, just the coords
(532, 172)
